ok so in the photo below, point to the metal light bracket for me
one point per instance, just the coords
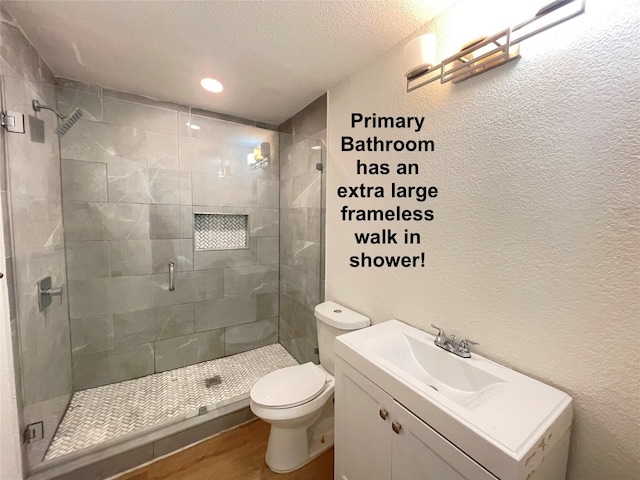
(474, 60)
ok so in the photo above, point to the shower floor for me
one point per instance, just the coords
(105, 413)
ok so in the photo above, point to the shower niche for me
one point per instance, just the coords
(220, 231)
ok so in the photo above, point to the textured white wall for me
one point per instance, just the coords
(535, 247)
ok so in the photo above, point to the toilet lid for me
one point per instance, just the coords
(289, 386)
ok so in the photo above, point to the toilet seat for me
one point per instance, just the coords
(289, 387)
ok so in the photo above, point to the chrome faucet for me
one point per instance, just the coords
(449, 344)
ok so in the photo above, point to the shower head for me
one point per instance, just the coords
(68, 121)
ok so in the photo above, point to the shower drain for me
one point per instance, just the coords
(212, 381)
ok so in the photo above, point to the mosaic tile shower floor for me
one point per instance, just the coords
(104, 413)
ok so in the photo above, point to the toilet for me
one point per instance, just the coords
(298, 401)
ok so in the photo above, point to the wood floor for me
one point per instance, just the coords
(234, 455)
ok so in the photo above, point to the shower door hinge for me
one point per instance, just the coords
(12, 121)
(33, 432)
(319, 167)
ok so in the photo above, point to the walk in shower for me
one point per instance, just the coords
(188, 248)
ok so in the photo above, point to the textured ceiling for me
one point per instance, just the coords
(273, 57)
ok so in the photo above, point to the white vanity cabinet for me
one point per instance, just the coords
(379, 439)
(406, 409)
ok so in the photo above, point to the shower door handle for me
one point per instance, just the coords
(172, 281)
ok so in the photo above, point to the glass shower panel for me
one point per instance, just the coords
(301, 244)
(36, 250)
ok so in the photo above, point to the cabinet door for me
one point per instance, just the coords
(362, 440)
(420, 453)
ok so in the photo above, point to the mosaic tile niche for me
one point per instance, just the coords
(215, 231)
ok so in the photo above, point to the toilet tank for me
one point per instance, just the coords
(332, 320)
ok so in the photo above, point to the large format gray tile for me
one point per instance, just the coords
(164, 186)
(84, 181)
(190, 349)
(140, 257)
(164, 221)
(130, 257)
(268, 250)
(302, 254)
(128, 184)
(268, 193)
(186, 197)
(163, 150)
(186, 221)
(112, 366)
(119, 295)
(19, 57)
(226, 311)
(101, 142)
(86, 97)
(98, 296)
(122, 112)
(305, 190)
(300, 158)
(83, 221)
(207, 259)
(250, 280)
(310, 120)
(211, 189)
(153, 324)
(185, 261)
(267, 305)
(190, 286)
(214, 157)
(88, 260)
(105, 221)
(126, 221)
(91, 334)
(165, 251)
(264, 222)
(240, 338)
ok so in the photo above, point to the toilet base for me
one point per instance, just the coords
(290, 448)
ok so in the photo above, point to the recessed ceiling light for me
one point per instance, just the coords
(193, 126)
(211, 85)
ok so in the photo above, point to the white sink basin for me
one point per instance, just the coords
(478, 405)
(427, 366)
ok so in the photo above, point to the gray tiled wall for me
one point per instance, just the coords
(34, 241)
(133, 175)
(301, 229)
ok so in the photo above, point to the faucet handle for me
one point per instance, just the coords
(441, 334)
(463, 346)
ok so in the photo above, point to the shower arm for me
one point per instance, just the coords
(37, 107)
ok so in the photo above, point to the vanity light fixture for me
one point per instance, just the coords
(211, 85)
(487, 53)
